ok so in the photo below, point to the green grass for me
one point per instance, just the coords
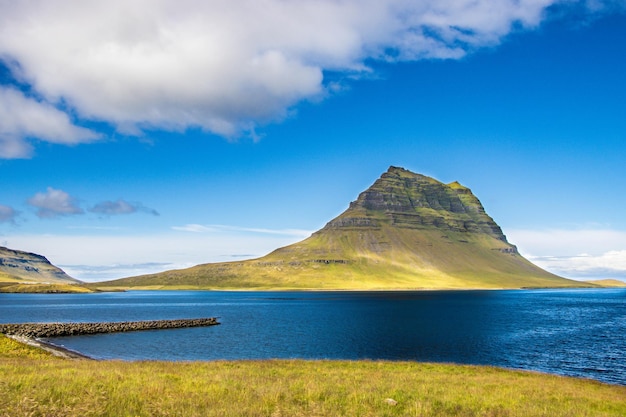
(47, 386)
(13, 287)
(11, 349)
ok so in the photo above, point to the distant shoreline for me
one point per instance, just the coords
(589, 285)
(94, 287)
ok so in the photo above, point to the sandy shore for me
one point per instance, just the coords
(49, 347)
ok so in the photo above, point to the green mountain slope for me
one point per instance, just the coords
(25, 267)
(407, 231)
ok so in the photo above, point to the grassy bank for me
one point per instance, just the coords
(10, 287)
(35, 384)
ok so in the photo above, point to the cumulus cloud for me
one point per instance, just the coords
(112, 208)
(221, 66)
(22, 117)
(7, 214)
(585, 253)
(54, 203)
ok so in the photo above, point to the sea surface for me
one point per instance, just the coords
(577, 332)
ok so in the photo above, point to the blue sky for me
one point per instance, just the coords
(149, 136)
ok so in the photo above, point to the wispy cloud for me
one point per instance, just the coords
(194, 228)
(54, 203)
(217, 228)
(224, 67)
(7, 214)
(94, 273)
(113, 208)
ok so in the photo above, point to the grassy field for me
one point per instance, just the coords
(33, 383)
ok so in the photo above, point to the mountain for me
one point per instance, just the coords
(407, 231)
(25, 267)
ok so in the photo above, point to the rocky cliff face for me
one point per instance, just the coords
(407, 200)
(30, 267)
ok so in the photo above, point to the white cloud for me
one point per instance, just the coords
(54, 203)
(111, 208)
(22, 117)
(218, 228)
(221, 66)
(7, 214)
(194, 228)
(587, 253)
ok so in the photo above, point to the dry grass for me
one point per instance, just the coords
(42, 386)
(43, 288)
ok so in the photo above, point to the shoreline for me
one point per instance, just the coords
(34, 334)
(348, 290)
(56, 350)
(66, 353)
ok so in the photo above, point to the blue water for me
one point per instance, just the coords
(567, 332)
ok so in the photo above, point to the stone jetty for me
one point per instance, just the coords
(45, 330)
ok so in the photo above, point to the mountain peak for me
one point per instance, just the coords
(404, 199)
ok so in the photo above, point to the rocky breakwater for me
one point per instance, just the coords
(46, 330)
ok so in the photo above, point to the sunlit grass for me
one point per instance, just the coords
(43, 288)
(608, 283)
(45, 386)
(10, 348)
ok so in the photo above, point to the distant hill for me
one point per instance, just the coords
(407, 231)
(25, 267)
(608, 283)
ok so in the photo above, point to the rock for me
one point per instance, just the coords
(46, 330)
(391, 401)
